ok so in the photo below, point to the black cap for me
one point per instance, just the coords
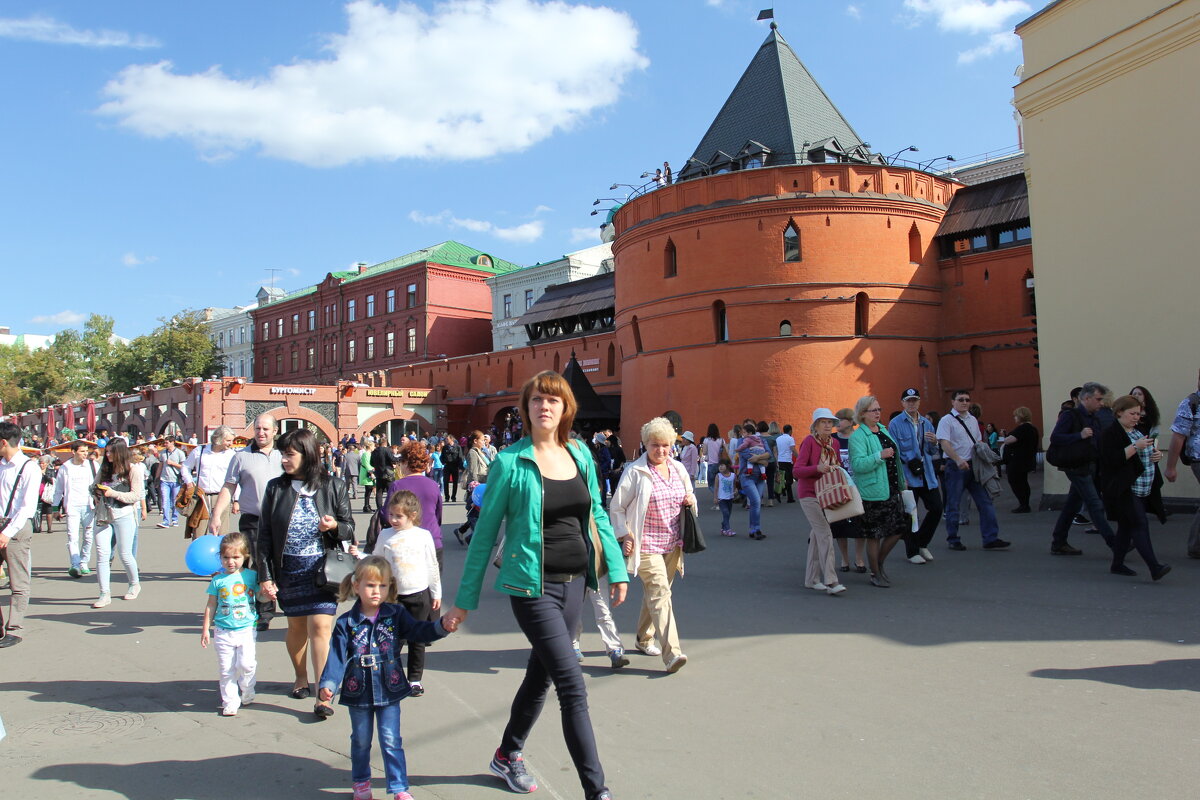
(910, 393)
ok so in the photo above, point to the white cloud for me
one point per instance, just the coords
(524, 233)
(51, 31)
(469, 79)
(854, 11)
(66, 318)
(133, 259)
(581, 235)
(1002, 42)
(970, 16)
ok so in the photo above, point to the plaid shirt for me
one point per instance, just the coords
(1141, 487)
(660, 532)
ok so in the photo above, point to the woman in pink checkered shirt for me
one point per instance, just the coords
(645, 511)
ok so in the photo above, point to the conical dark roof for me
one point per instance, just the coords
(589, 403)
(778, 104)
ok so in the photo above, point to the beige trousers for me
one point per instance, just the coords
(657, 620)
(821, 565)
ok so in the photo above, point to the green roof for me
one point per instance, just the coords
(452, 254)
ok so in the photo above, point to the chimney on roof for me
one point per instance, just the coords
(5, 330)
(362, 267)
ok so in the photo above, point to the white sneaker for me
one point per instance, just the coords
(837, 588)
(925, 554)
(917, 559)
(133, 592)
(649, 648)
(676, 664)
(818, 586)
(102, 601)
(247, 698)
(229, 711)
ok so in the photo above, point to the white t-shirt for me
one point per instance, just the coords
(414, 560)
(784, 444)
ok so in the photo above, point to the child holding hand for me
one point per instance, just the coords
(231, 607)
(364, 660)
(413, 557)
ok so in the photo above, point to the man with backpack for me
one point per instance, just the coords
(1185, 447)
(1073, 449)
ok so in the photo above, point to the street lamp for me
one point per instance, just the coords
(610, 199)
(909, 149)
(926, 165)
(630, 186)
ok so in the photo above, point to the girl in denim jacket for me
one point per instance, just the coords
(364, 659)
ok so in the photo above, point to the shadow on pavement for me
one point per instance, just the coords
(1181, 674)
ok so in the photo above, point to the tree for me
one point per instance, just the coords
(86, 357)
(178, 348)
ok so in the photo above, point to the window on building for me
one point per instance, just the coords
(720, 322)
(221, 340)
(862, 314)
(411, 296)
(670, 260)
(370, 305)
(507, 306)
(528, 299)
(370, 348)
(242, 335)
(279, 328)
(312, 319)
(310, 361)
(412, 340)
(295, 360)
(1012, 236)
(637, 334)
(791, 242)
(785, 328)
(241, 368)
(391, 300)
(351, 311)
(915, 250)
(350, 350)
(390, 344)
(295, 324)
(266, 330)
(1029, 304)
(279, 363)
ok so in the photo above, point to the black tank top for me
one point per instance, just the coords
(565, 509)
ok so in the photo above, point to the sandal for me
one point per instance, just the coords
(322, 711)
(860, 568)
(300, 692)
(844, 568)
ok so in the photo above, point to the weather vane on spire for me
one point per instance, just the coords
(766, 13)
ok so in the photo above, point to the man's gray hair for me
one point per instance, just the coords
(219, 433)
(1091, 388)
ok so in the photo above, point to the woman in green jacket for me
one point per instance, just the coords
(545, 492)
(879, 479)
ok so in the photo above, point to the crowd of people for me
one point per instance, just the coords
(579, 519)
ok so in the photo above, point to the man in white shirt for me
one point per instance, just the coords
(785, 447)
(206, 468)
(957, 433)
(20, 480)
(72, 494)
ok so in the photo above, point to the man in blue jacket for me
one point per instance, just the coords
(918, 444)
(1077, 431)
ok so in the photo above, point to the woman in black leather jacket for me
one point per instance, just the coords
(303, 511)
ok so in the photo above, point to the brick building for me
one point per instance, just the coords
(433, 303)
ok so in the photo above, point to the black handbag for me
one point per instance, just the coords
(693, 537)
(335, 566)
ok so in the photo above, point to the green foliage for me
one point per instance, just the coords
(178, 348)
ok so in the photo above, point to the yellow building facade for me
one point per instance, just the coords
(1112, 135)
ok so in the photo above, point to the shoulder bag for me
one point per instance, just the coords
(833, 488)
(335, 565)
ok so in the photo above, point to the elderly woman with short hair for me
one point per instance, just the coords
(879, 479)
(646, 511)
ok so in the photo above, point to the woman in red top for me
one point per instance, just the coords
(818, 455)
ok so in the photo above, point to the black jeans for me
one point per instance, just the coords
(1083, 494)
(932, 500)
(248, 525)
(772, 468)
(1018, 480)
(1134, 526)
(548, 623)
(450, 479)
(788, 481)
(420, 605)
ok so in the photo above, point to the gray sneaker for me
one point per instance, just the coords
(512, 769)
(618, 658)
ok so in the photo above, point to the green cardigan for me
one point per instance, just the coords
(870, 472)
(514, 497)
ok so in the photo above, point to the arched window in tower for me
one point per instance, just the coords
(791, 242)
(862, 314)
(670, 368)
(611, 367)
(637, 335)
(557, 362)
(670, 261)
(468, 381)
(720, 322)
(915, 251)
(785, 328)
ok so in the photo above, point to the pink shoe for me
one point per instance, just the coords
(362, 791)
(403, 796)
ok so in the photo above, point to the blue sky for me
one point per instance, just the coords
(160, 156)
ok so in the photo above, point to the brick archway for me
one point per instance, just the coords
(280, 413)
(388, 415)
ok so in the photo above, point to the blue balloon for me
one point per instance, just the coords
(204, 555)
(477, 494)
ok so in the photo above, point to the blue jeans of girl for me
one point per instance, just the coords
(387, 720)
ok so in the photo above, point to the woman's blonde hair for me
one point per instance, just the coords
(861, 407)
(406, 503)
(1023, 414)
(658, 428)
(376, 567)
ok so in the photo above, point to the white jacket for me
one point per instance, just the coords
(627, 508)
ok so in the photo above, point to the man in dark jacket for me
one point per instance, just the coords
(1078, 431)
